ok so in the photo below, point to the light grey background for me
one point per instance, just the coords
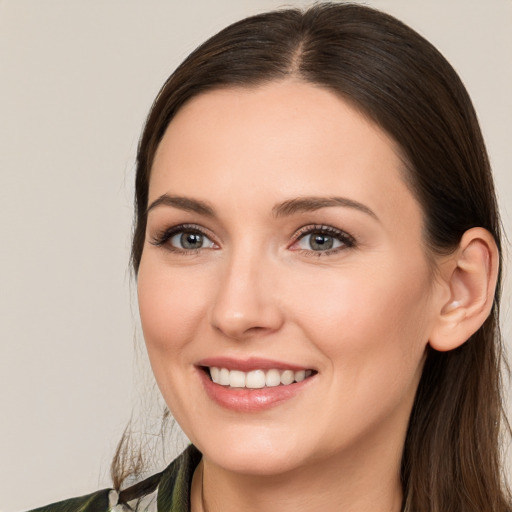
(77, 78)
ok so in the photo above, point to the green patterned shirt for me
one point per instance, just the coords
(168, 491)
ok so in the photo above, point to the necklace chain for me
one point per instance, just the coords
(203, 503)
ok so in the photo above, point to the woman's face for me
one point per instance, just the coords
(283, 245)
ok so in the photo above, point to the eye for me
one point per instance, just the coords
(318, 242)
(322, 239)
(190, 240)
(183, 239)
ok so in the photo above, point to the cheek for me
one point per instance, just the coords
(371, 318)
(170, 304)
(371, 331)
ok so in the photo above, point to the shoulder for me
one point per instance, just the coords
(96, 502)
(168, 490)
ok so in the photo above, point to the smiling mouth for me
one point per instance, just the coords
(256, 379)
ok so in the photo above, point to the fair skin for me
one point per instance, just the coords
(341, 289)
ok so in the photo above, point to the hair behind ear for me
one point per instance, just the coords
(451, 446)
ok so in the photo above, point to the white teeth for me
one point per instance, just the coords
(214, 373)
(300, 375)
(236, 379)
(287, 377)
(223, 377)
(257, 379)
(273, 378)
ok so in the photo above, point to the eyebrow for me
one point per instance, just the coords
(284, 209)
(183, 203)
(309, 204)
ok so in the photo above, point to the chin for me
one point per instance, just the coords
(254, 462)
(258, 454)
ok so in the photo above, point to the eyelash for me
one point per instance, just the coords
(162, 238)
(347, 241)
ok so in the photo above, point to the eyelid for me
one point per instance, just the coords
(347, 239)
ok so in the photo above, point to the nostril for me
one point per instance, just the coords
(241, 329)
(244, 307)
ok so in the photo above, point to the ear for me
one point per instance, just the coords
(470, 275)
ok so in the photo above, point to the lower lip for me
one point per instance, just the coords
(251, 400)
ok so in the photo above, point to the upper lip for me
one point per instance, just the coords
(247, 365)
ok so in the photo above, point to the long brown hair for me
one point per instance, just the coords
(451, 457)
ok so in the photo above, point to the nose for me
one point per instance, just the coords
(246, 303)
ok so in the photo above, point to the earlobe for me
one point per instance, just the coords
(471, 278)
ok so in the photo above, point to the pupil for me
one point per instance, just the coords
(321, 242)
(191, 240)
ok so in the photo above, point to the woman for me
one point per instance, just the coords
(317, 249)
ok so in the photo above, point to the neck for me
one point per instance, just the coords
(351, 484)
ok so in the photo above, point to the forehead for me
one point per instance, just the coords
(282, 139)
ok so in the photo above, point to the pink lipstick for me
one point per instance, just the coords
(254, 384)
